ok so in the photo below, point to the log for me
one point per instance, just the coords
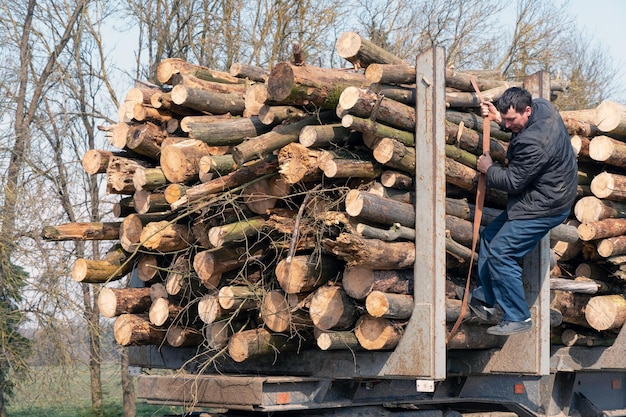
(212, 85)
(474, 337)
(164, 236)
(389, 306)
(471, 99)
(361, 52)
(332, 309)
(261, 196)
(249, 344)
(324, 135)
(460, 175)
(82, 231)
(211, 264)
(612, 246)
(390, 73)
(115, 301)
(475, 122)
(187, 123)
(602, 229)
(146, 113)
(284, 313)
(163, 101)
(150, 202)
(298, 163)
(611, 118)
(269, 142)
(571, 305)
(395, 155)
(157, 290)
(581, 285)
(175, 192)
(149, 179)
(606, 312)
(141, 94)
(240, 297)
(579, 127)
(365, 104)
(255, 99)
(354, 167)
(132, 226)
(181, 280)
(179, 336)
(120, 173)
(180, 161)
(377, 333)
(217, 335)
(163, 311)
(207, 101)
(148, 268)
(376, 130)
(210, 310)
(250, 72)
(581, 147)
(591, 209)
(169, 66)
(217, 164)
(571, 337)
(270, 115)
(95, 161)
(469, 140)
(136, 330)
(236, 233)
(90, 271)
(395, 232)
(371, 253)
(304, 273)
(368, 206)
(337, 340)
(309, 85)
(396, 179)
(228, 132)
(608, 150)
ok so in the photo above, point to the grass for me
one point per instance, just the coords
(55, 391)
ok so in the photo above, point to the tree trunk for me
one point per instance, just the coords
(390, 74)
(332, 309)
(250, 72)
(270, 115)
(389, 306)
(609, 186)
(368, 206)
(115, 301)
(591, 209)
(571, 305)
(304, 273)
(606, 312)
(228, 132)
(395, 155)
(128, 389)
(365, 104)
(608, 150)
(179, 336)
(324, 135)
(239, 297)
(82, 231)
(345, 340)
(253, 343)
(136, 330)
(371, 253)
(602, 229)
(90, 271)
(361, 52)
(377, 333)
(237, 232)
(150, 202)
(207, 101)
(612, 246)
(169, 66)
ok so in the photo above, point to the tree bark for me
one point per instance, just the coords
(169, 66)
(602, 229)
(355, 167)
(136, 330)
(345, 340)
(371, 253)
(164, 236)
(239, 297)
(368, 206)
(612, 246)
(210, 310)
(149, 179)
(571, 305)
(82, 231)
(163, 311)
(366, 104)
(150, 202)
(390, 74)
(324, 135)
(115, 301)
(101, 271)
(146, 139)
(389, 306)
(207, 101)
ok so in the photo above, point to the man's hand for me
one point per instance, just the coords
(488, 110)
(484, 162)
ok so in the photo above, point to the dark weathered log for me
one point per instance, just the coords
(135, 330)
(332, 309)
(611, 118)
(304, 273)
(608, 150)
(395, 232)
(592, 270)
(389, 306)
(580, 285)
(605, 312)
(164, 236)
(269, 142)
(250, 72)
(470, 336)
(228, 132)
(601, 229)
(371, 253)
(207, 101)
(368, 206)
(115, 301)
(284, 313)
(361, 52)
(377, 333)
(394, 154)
(310, 85)
(336, 340)
(367, 104)
(590, 209)
(82, 231)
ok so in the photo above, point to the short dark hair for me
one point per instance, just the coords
(515, 97)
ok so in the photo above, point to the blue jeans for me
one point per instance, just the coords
(503, 243)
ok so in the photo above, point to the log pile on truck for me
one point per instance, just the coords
(264, 212)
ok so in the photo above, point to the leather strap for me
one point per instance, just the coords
(478, 214)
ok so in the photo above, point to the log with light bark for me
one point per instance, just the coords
(463, 80)
(304, 273)
(132, 226)
(396, 179)
(368, 206)
(371, 253)
(165, 236)
(175, 192)
(210, 310)
(470, 140)
(611, 118)
(361, 52)
(150, 202)
(582, 285)
(255, 99)
(207, 101)
(180, 161)
(475, 122)
(163, 101)
(157, 290)
(180, 336)
(234, 179)
(391, 73)
(169, 66)
(366, 104)
(601, 229)
(211, 264)
(608, 150)
(116, 134)
(115, 301)
(389, 305)
(354, 166)
(228, 132)
(606, 312)
(136, 330)
(332, 309)
(217, 164)
(394, 232)
(249, 344)
(284, 312)
(405, 196)
(612, 246)
(82, 231)
(299, 163)
(571, 305)
(141, 94)
(262, 195)
(163, 311)
(265, 144)
(340, 340)
(324, 135)
(581, 147)
(149, 179)
(96, 161)
(236, 232)
(377, 130)
(146, 139)
(309, 85)
(393, 154)
(471, 99)
(579, 127)
(460, 175)
(101, 271)
(591, 209)
(250, 72)
(187, 123)
(240, 297)
(270, 114)
(145, 113)
(377, 333)
(191, 81)
(149, 268)
(119, 174)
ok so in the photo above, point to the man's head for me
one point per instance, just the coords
(515, 107)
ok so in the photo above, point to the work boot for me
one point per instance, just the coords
(507, 328)
(479, 308)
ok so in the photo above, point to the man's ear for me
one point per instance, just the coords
(528, 111)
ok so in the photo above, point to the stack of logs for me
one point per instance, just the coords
(266, 212)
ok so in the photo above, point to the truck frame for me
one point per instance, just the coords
(420, 377)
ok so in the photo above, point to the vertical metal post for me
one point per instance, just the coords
(422, 349)
(529, 353)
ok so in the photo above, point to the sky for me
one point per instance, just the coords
(605, 22)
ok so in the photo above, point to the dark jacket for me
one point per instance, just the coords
(542, 173)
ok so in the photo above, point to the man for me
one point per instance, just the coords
(540, 179)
